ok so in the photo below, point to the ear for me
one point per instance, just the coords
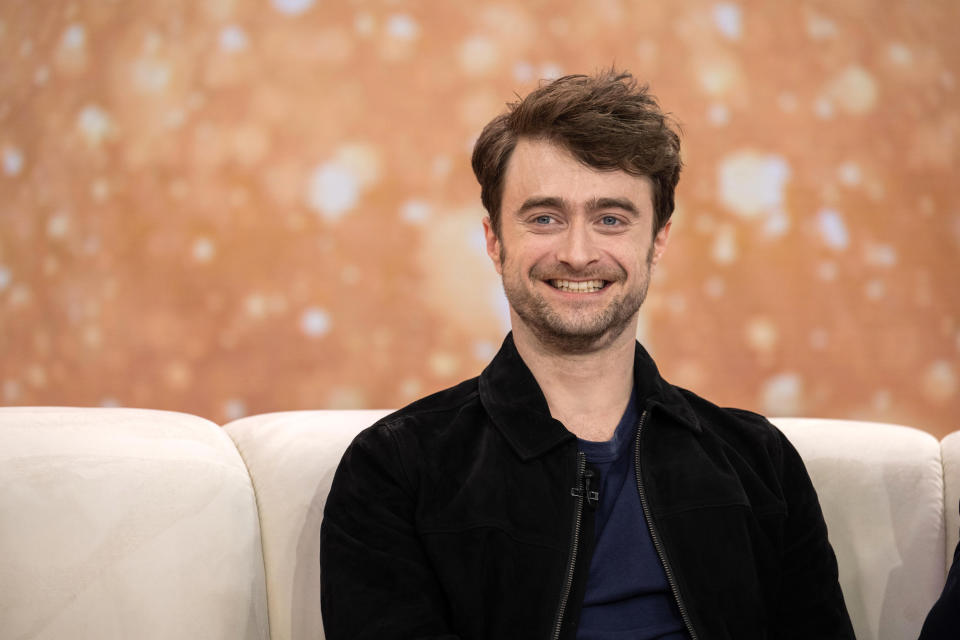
(493, 244)
(660, 242)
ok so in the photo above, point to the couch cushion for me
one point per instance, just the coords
(292, 457)
(881, 490)
(126, 523)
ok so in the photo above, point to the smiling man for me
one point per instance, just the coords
(569, 491)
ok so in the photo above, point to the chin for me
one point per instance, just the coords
(578, 339)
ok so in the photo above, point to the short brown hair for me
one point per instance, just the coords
(606, 121)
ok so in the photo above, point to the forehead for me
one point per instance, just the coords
(539, 168)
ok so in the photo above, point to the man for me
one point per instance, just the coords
(569, 491)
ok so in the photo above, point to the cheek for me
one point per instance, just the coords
(526, 253)
(631, 259)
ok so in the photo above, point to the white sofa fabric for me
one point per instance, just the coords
(119, 523)
(126, 523)
(881, 490)
(291, 458)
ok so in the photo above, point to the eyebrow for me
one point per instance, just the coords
(547, 202)
(594, 204)
(597, 204)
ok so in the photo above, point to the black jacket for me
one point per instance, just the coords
(467, 515)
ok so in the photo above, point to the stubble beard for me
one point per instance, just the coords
(585, 331)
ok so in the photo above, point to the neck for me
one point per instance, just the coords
(586, 391)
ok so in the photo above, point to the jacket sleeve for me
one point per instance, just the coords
(376, 581)
(811, 603)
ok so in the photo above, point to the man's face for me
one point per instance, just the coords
(575, 249)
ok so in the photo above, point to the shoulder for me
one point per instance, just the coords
(746, 445)
(423, 420)
(450, 400)
(729, 421)
(749, 434)
(394, 445)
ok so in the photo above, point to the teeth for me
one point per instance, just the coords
(588, 286)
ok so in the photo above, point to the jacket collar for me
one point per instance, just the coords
(513, 399)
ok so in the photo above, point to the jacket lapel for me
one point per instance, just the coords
(516, 405)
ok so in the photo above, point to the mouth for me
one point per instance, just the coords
(579, 286)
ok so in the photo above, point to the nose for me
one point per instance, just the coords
(578, 249)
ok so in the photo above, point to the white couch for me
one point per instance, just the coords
(134, 523)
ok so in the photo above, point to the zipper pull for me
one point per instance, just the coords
(593, 497)
(584, 491)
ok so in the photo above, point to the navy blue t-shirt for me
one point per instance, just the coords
(628, 597)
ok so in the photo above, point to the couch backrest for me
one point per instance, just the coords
(880, 487)
(881, 490)
(119, 523)
(126, 523)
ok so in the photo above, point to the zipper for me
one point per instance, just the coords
(581, 491)
(657, 544)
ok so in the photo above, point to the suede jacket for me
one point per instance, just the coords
(469, 514)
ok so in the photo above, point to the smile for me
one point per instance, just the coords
(573, 286)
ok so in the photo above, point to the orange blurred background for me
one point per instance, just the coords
(228, 207)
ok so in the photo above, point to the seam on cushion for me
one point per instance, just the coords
(263, 550)
(943, 513)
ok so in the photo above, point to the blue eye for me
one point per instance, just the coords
(543, 219)
(609, 221)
